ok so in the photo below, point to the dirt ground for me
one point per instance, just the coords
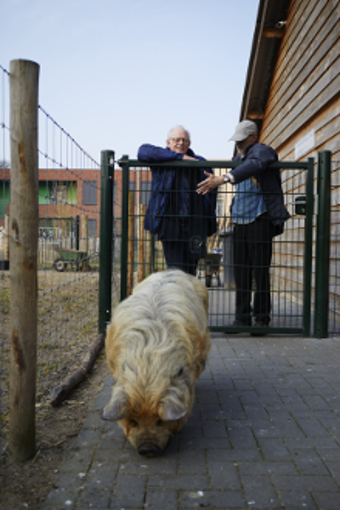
(22, 485)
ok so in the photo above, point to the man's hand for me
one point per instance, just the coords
(189, 158)
(210, 183)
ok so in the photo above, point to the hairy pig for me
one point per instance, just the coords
(156, 347)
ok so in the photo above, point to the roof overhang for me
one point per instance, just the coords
(268, 33)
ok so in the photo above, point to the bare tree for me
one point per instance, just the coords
(4, 164)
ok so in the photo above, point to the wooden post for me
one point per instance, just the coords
(130, 245)
(23, 232)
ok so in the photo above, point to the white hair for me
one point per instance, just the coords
(176, 127)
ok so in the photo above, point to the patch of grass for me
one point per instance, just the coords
(89, 327)
(45, 368)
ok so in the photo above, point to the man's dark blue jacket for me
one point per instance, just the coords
(163, 179)
(256, 164)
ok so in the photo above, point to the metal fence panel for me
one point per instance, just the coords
(291, 262)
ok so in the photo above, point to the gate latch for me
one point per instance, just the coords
(301, 205)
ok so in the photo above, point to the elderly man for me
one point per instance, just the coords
(258, 213)
(180, 217)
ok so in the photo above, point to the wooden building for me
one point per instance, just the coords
(292, 91)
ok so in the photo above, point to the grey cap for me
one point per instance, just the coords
(243, 130)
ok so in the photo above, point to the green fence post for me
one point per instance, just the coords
(106, 238)
(307, 276)
(322, 245)
(123, 162)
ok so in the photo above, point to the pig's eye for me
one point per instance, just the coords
(159, 422)
(134, 423)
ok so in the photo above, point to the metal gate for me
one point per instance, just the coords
(291, 267)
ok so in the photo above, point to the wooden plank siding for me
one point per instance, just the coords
(304, 99)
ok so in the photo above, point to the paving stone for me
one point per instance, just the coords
(323, 443)
(277, 429)
(78, 460)
(214, 428)
(298, 501)
(164, 500)
(87, 438)
(206, 396)
(305, 483)
(94, 498)
(273, 449)
(327, 501)
(102, 476)
(308, 462)
(188, 443)
(235, 455)
(128, 492)
(212, 499)
(224, 476)
(260, 492)
(312, 427)
(212, 412)
(242, 438)
(184, 482)
(192, 461)
(334, 468)
(267, 468)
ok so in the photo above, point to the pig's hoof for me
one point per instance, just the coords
(149, 450)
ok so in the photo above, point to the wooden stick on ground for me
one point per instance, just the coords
(60, 392)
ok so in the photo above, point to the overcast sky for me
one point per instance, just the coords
(118, 73)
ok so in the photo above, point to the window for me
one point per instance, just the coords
(90, 193)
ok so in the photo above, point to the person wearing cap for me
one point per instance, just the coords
(258, 214)
(180, 217)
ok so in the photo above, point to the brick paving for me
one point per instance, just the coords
(264, 433)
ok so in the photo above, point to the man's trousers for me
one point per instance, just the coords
(252, 257)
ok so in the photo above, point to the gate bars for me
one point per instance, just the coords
(291, 270)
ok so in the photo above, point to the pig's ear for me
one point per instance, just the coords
(173, 409)
(116, 409)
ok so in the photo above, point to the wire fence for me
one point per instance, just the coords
(68, 255)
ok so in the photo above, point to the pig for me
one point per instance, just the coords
(156, 347)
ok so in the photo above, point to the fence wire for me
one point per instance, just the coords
(68, 260)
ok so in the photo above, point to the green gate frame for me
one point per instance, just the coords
(307, 202)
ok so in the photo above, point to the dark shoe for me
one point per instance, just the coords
(238, 322)
(259, 324)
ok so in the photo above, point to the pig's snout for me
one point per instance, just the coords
(149, 450)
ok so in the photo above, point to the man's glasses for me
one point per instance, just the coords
(179, 140)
